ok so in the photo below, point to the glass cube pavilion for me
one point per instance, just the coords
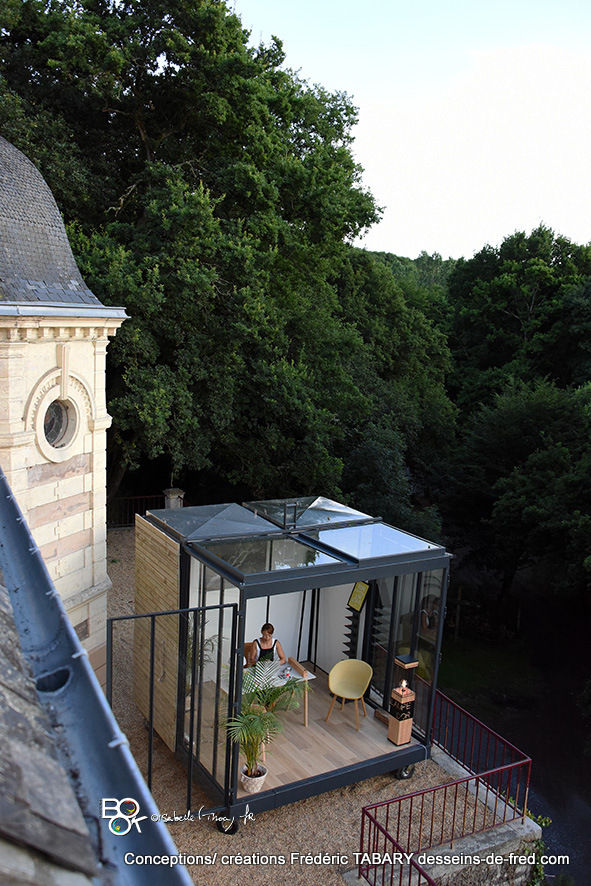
(295, 563)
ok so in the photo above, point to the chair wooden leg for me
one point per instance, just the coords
(363, 706)
(334, 698)
(357, 715)
(343, 703)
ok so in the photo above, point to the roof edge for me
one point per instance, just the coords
(54, 309)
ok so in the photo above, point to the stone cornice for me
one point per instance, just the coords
(29, 329)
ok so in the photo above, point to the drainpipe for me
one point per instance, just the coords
(95, 748)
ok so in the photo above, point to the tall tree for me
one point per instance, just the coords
(217, 193)
(509, 306)
(521, 496)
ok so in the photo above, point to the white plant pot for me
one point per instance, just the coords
(252, 785)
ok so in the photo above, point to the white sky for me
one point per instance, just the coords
(474, 117)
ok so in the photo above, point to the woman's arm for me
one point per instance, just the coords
(253, 655)
(281, 653)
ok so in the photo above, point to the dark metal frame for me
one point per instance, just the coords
(198, 613)
(347, 569)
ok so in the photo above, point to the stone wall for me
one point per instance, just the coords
(506, 857)
(61, 488)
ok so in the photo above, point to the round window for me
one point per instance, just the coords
(57, 422)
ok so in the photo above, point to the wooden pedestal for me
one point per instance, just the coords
(399, 731)
(400, 725)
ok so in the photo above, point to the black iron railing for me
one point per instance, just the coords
(121, 511)
(194, 693)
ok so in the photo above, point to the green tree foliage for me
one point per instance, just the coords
(522, 485)
(519, 489)
(511, 314)
(214, 194)
(394, 456)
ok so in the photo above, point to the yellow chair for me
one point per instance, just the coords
(349, 679)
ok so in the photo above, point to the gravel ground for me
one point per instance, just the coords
(328, 824)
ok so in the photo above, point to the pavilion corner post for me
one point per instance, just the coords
(235, 701)
(231, 757)
(184, 621)
(443, 606)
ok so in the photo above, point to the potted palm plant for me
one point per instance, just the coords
(251, 729)
(257, 724)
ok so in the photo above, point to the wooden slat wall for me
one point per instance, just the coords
(157, 560)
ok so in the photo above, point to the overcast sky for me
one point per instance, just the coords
(474, 118)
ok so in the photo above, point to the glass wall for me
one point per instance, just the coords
(393, 630)
(428, 622)
(380, 656)
(207, 667)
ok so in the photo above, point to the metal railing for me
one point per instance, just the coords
(385, 861)
(121, 511)
(191, 714)
(468, 740)
(492, 794)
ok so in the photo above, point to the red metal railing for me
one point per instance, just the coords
(384, 861)
(492, 794)
(468, 740)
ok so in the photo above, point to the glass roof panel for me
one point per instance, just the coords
(366, 542)
(308, 511)
(186, 520)
(233, 520)
(213, 521)
(250, 556)
(323, 510)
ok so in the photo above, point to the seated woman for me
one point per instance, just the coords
(266, 648)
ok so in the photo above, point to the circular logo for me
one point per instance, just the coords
(120, 825)
(129, 807)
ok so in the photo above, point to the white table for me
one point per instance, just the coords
(293, 670)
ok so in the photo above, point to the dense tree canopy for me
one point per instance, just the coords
(214, 194)
(522, 487)
(512, 313)
(519, 496)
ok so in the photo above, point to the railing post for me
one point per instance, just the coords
(109, 686)
(151, 733)
(526, 792)
(361, 841)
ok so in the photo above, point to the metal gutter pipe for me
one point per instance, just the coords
(97, 755)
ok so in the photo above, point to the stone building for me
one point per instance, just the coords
(53, 419)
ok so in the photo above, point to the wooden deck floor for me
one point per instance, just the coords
(300, 752)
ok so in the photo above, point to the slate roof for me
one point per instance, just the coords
(38, 807)
(36, 261)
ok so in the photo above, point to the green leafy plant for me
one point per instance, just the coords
(537, 877)
(262, 699)
(205, 654)
(251, 728)
(260, 687)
